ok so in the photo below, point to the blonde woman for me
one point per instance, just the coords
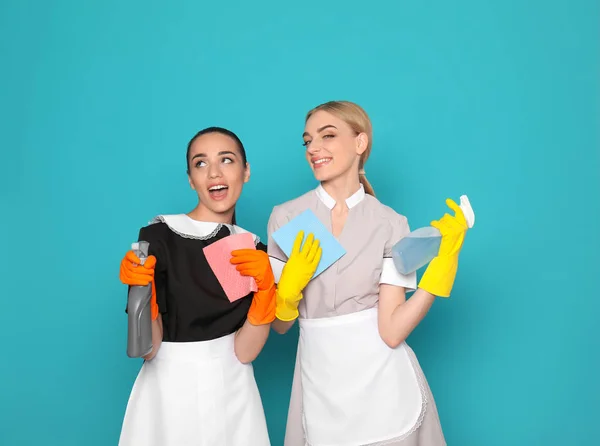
(356, 380)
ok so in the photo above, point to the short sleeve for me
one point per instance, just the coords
(389, 274)
(155, 236)
(276, 255)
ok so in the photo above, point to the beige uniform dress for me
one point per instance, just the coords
(336, 364)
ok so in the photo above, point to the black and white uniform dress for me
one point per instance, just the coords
(194, 391)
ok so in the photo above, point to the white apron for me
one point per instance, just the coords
(195, 394)
(355, 389)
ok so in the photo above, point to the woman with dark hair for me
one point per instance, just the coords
(197, 386)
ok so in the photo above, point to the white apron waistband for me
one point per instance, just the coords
(344, 319)
(198, 350)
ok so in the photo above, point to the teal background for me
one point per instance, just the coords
(499, 100)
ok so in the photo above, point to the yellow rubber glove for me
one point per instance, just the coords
(296, 274)
(441, 272)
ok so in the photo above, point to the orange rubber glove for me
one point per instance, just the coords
(134, 274)
(255, 263)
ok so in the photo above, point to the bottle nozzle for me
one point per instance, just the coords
(465, 205)
(141, 249)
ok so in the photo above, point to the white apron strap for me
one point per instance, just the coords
(356, 389)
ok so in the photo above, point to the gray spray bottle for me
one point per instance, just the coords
(139, 329)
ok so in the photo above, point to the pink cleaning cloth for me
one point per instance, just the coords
(218, 255)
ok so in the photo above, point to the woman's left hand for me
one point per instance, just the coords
(439, 276)
(452, 228)
(255, 263)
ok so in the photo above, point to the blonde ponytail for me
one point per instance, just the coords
(367, 186)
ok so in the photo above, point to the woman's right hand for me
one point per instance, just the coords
(297, 272)
(133, 273)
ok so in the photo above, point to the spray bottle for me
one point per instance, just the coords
(139, 329)
(419, 247)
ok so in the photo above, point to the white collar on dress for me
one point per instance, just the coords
(187, 227)
(351, 201)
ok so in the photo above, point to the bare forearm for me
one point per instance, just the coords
(157, 335)
(250, 340)
(282, 327)
(405, 317)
